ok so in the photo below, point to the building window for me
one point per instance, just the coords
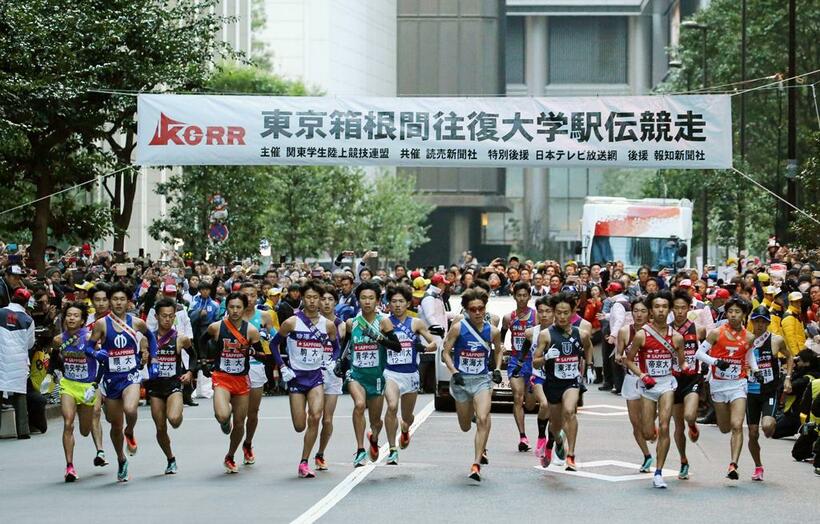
(587, 50)
(498, 228)
(514, 49)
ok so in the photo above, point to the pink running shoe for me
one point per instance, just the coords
(758, 474)
(540, 446)
(71, 474)
(523, 444)
(305, 472)
(547, 458)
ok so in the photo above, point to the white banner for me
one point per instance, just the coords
(690, 132)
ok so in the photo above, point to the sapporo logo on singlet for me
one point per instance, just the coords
(170, 131)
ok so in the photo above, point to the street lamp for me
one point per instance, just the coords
(691, 24)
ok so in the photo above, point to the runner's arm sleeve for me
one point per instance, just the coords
(337, 349)
(152, 344)
(90, 350)
(274, 350)
(193, 359)
(703, 353)
(390, 341)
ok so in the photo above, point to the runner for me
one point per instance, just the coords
(563, 352)
(761, 401)
(126, 343)
(401, 374)
(630, 390)
(230, 348)
(263, 322)
(78, 388)
(332, 383)
(99, 297)
(519, 366)
(726, 350)
(687, 394)
(370, 334)
(651, 357)
(164, 389)
(306, 334)
(470, 341)
(536, 383)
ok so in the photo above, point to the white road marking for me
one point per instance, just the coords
(596, 410)
(600, 476)
(344, 487)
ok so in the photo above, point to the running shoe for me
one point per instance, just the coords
(560, 451)
(571, 463)
(694, 432)
(226, 427)
(817, 471)
(374, 447)
(359, 459)
(393, 457)
(230, 465)
(131, 445)
(171, 468)
(99, 460)
(475, 472)
(248, 457)
(732, 473)
(523, 444)
(305, 472)
(122, 471)
(758, 474)
(320, 463)
(404, 439)
(484, 458)
(658, 482)
(646, 467)
(70, 474)
(546, 458)
(683, 474)
(540, 446)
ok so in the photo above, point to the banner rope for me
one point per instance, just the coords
(764, 188)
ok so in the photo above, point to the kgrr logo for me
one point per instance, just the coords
(179, 133)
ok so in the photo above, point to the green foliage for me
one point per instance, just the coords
(739, 213)
(806, 230)
(54, 56)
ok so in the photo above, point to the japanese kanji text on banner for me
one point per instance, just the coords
(693, 132)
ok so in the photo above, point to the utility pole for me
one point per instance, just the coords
(741, 205)
(791, 167)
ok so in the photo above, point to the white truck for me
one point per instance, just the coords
(652, 231)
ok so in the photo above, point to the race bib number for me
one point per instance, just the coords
(75, 367)
(471, 362)
(166, 366)
(658, 367)
(405, 356)
(366, 355)
(309, 352)
(566, 368)
(730, 373)
(121, 360)
(767, 371)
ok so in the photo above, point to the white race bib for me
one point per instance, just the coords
(366, 355)
(404, 356)
(471, 362)
(121, 360)
(566, 368)
(308, 352)
(75, 367)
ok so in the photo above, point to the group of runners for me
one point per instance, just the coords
(105, 358)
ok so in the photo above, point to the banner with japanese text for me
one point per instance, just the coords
(686, 132)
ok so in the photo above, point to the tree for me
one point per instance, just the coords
(56, 56)
(740, 214)
(806, 230)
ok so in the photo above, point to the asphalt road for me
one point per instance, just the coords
(429, 484)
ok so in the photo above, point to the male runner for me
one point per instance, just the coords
(370, 334)
(332, 383)
(630, 390)
(519, 366)
(690, 382)
(165, 388)
(78, 391)
(306, 334)
(263, 322)
(656, 347)
(761, 399)
(99, 298)
(536, 384)
(563, 352)
(470, 342)
(401, 373)
(727, 350)
(232, 342)
(126, 343)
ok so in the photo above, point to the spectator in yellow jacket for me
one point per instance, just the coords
(793, 331)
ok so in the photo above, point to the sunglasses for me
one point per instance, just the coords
(476, 309)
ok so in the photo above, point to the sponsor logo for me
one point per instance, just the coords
(170, 131)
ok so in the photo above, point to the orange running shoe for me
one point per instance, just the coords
(249, 458)
(404, 439)
(131, 445)
(230, 465)
(475, 472)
